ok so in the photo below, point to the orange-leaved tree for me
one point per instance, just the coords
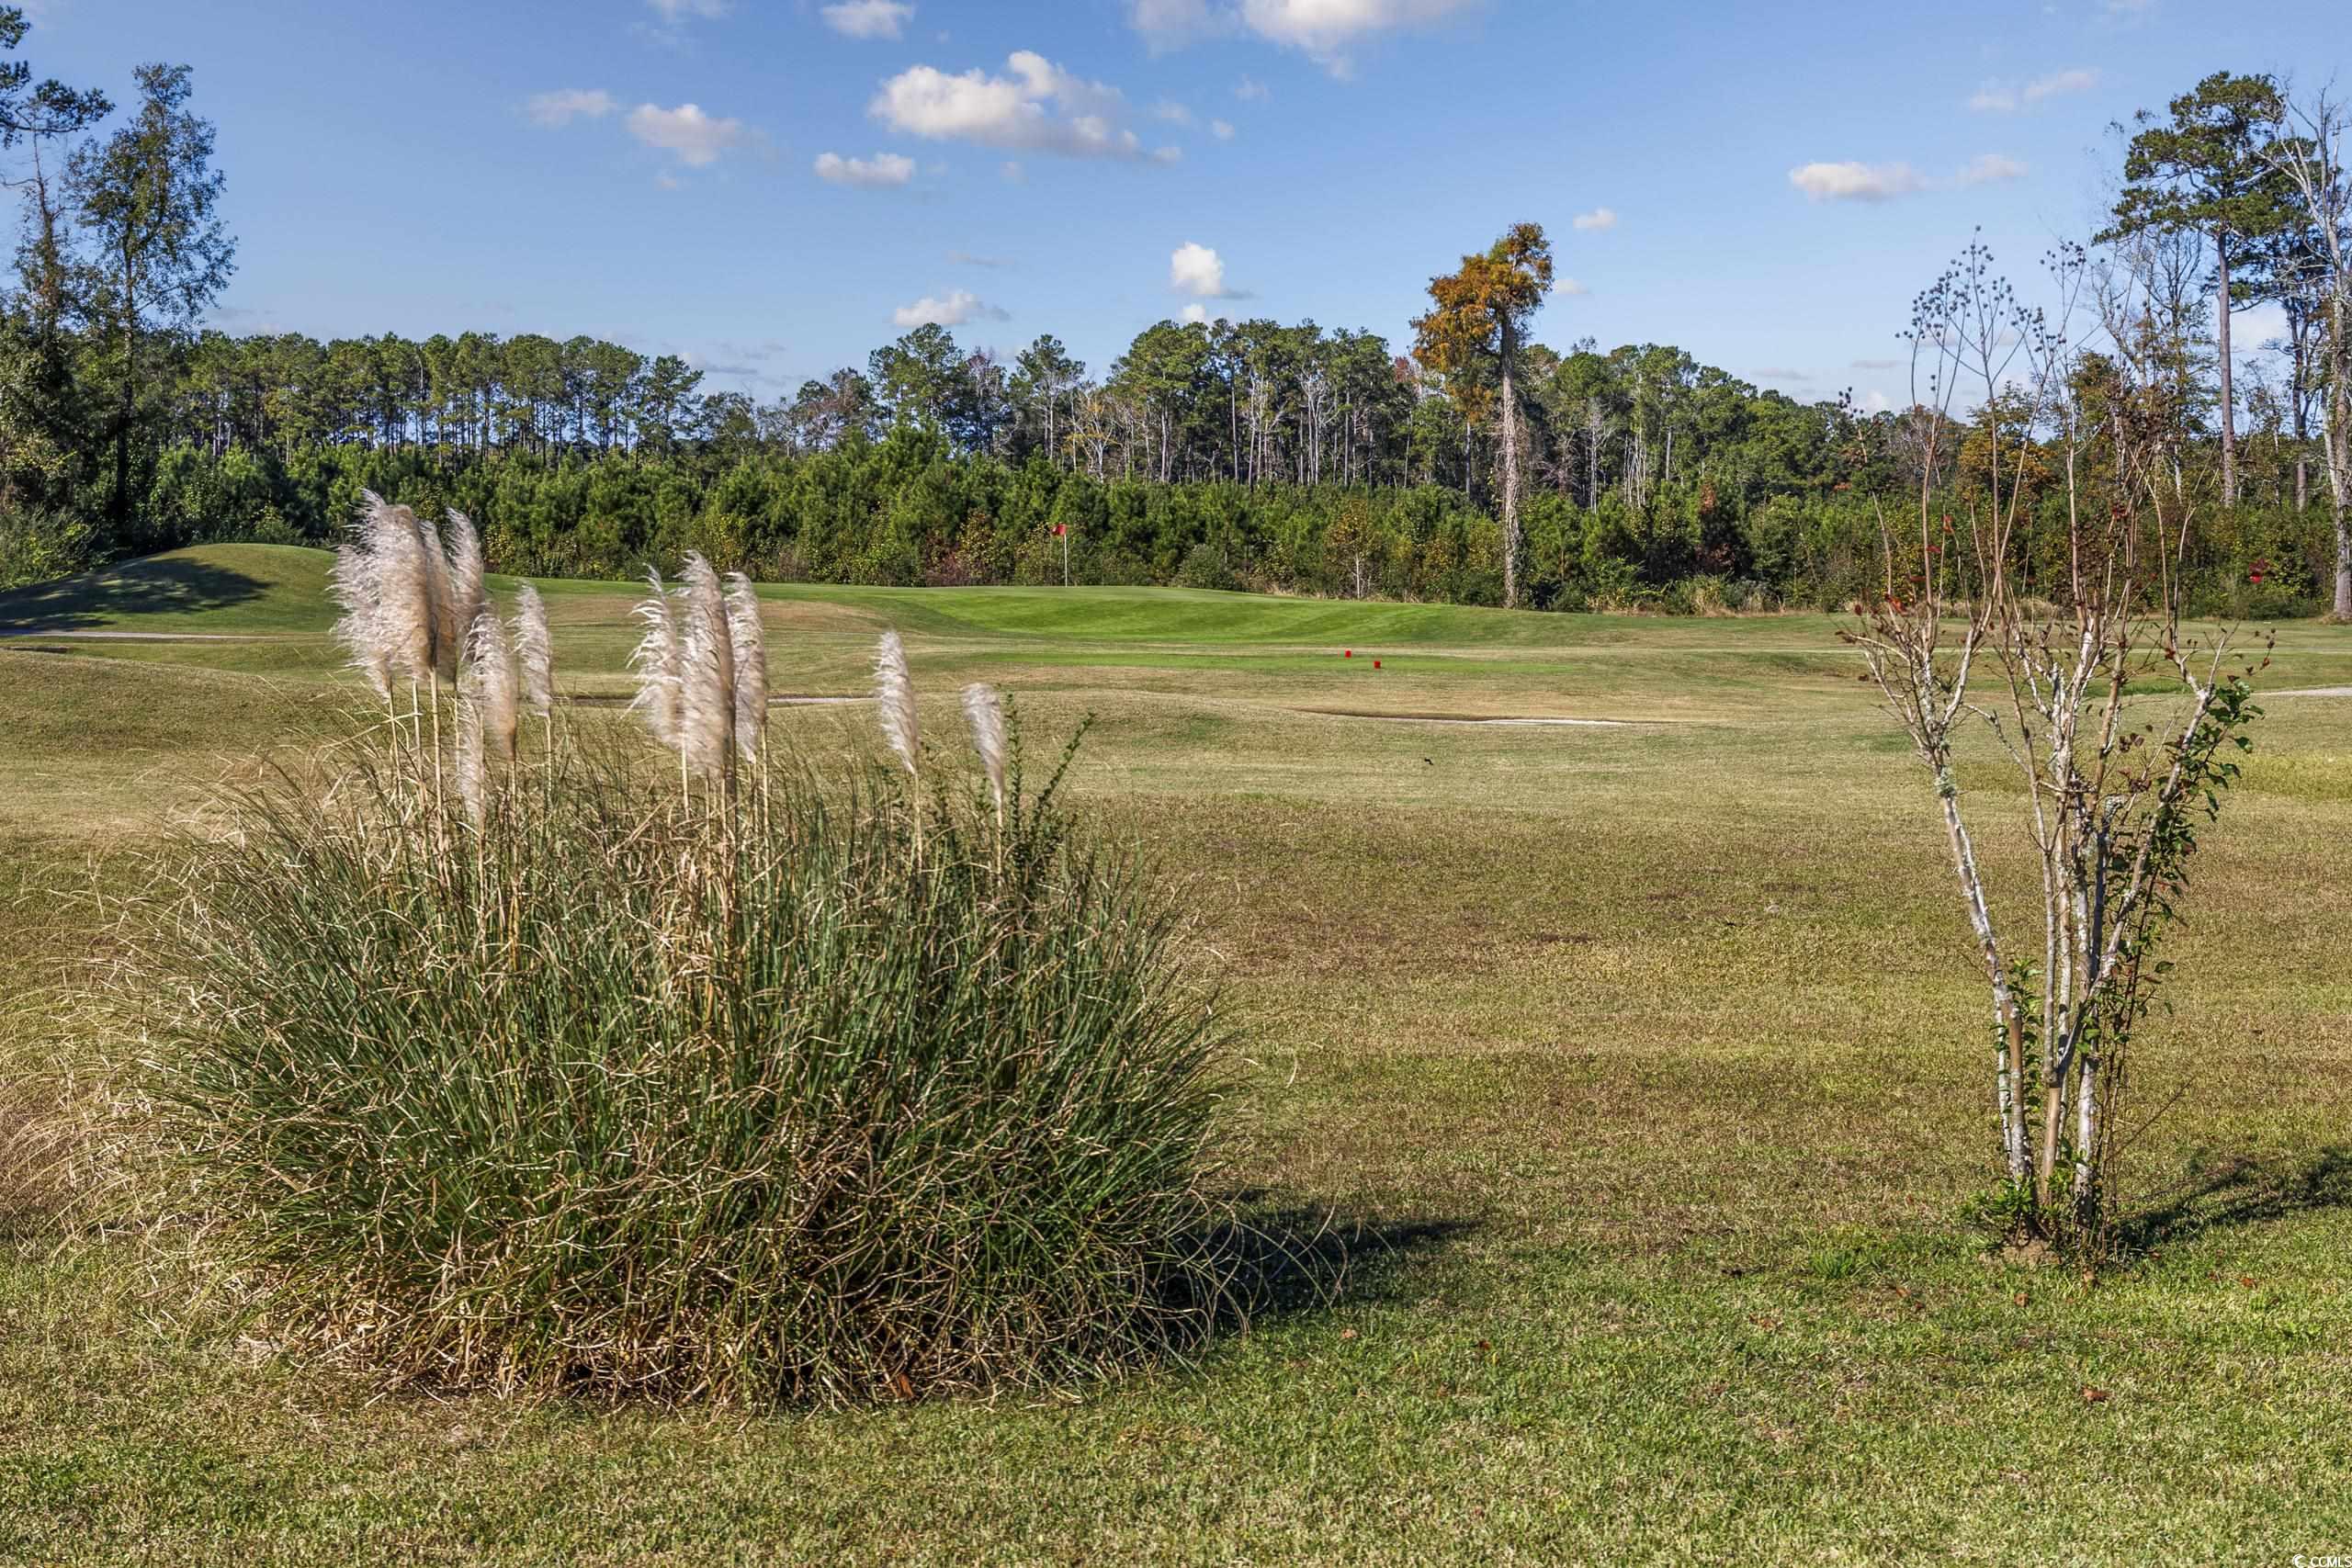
(1476, 324)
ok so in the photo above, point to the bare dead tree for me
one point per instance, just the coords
(2310, 151)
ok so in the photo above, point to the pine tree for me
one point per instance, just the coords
(1479, 320)
(2204, 171)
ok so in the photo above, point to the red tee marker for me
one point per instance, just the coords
(1346, 653)
(1375, 664)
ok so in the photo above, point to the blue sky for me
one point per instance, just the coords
(1765, 187)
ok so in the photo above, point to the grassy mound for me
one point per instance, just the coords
(827, 1093)
(205, 590)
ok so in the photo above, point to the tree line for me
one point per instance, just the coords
(1651, 481)
(1477, 464)
(1251, 403)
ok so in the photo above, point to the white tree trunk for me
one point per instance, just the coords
(2229, 404)
(2339, 444)
(2008, 1056)
(1510, 474)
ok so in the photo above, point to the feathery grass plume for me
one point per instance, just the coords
(485, 710)
(656, 661)
(534, 651)
(706, 707)
(751, 647)
(465, 568)
(404, 595)
(449, 629)
(490, 664)
(985, 709)
(352, 583)
(894, 695)
(472, 764)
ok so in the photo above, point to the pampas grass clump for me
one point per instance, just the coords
(576, 1080)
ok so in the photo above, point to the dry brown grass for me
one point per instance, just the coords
(39, 1145)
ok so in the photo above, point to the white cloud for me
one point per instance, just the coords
(882, 169)
(1876, 402)
(1999, 97)
(868, 19)
(959, 307)
(1173, 113)
(1878, 365)
(1196, 270)
(1222, 130)
(1039, 107)
(2255, 328)
(1249, 92)
(1987, 167)
(1197, 312)
(563, 105)
(2080, 80)
(1598, 217)
(671, 10)
(1011, 171)
(1322, 29)
(1856, 182)
(1569, 286)
(697, 138)
(1885, 182)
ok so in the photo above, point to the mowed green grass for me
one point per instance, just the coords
(1641, 1067)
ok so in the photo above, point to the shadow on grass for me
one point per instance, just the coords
(1290, 1260)
(2244, 1192)
(138, 588)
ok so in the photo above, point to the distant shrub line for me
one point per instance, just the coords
(908, 511)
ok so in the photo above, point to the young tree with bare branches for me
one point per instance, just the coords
(2067, 653)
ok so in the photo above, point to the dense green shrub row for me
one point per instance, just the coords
(908, 510)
